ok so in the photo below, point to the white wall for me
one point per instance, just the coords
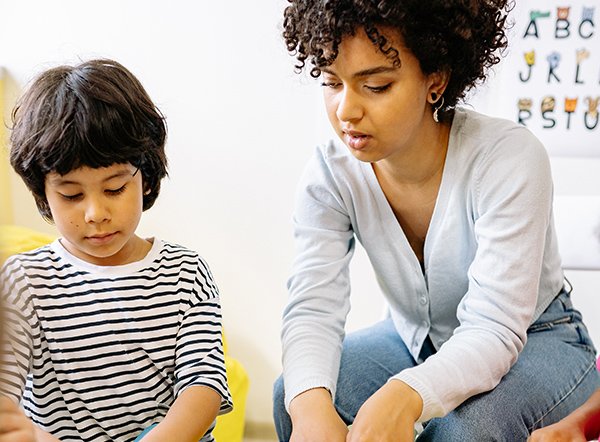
(574, 176)
(242, 126)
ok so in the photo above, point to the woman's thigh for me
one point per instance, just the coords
(554, 374)
(369, 358)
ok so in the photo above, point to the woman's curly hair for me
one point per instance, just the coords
(461, 37)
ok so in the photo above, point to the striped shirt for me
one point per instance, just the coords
(99, 353)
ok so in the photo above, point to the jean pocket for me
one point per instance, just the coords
(540, 325)
(569, 329)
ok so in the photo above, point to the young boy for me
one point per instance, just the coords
(109, 333)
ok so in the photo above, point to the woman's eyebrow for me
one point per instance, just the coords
(375, 70)
(366, 72)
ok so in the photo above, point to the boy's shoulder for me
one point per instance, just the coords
(31, 259)
(174, 247)
(170, 251)
(19, 268)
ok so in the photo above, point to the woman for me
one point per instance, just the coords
(455, 212)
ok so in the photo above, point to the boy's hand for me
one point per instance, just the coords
(314, 418)
(14, 425)
(388, 416)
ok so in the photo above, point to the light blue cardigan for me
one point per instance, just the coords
(491, 262)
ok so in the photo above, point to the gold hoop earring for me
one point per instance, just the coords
(437, 108)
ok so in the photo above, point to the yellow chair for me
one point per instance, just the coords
(16, 239)
(230, 427)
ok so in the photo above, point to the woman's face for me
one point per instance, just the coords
(380, 110)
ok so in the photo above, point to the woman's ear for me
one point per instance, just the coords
(438, 81)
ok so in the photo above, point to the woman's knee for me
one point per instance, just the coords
(281, 418)
(469, 424)
(521, 403)
(278, 397)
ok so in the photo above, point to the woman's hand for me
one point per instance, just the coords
(388, 416)
(314, 418)
(14, 425)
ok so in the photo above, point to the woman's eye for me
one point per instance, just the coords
(329, 84)
(379, 88)
(116, 191)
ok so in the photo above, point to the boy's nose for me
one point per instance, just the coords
(96, 212)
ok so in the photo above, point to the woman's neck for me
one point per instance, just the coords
(421, 164)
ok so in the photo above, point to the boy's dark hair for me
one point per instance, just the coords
(459, 37)
(94, 114)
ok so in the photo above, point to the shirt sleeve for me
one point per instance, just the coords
(319, 287)
(199, 348)
(19, 328)
(512, 216)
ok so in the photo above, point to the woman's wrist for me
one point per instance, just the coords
(315, 418)
(411, 399)
(310, 401)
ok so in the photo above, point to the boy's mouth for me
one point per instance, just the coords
(102, 238)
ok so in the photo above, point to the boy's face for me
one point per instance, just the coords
(97, 212)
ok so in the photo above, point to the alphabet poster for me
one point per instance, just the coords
(550, 78)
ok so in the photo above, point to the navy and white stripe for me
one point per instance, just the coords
(100, 353)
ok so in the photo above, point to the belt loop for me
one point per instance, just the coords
(570, 286)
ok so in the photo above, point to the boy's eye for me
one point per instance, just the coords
(70, 197)
(116, 191)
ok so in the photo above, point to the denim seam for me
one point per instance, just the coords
(580, 380)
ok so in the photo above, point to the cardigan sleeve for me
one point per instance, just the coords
(319, 287)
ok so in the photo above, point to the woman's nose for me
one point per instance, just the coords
(349, 107)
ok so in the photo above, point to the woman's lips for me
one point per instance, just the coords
(357, 140)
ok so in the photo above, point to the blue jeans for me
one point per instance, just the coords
(554, 374)
(143, 433)
(147, 430)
